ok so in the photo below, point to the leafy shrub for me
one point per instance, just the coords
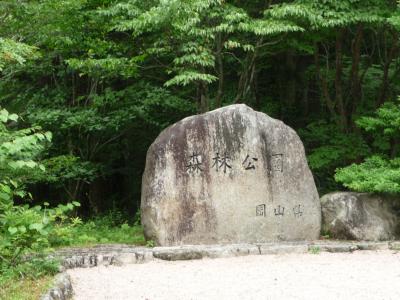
(28, 234)
(379, 173)
(23, 229)
(26, 230)
(32, 268)
(376, 175)
(330, 149)
(110, 228)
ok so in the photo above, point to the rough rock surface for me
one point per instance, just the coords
(61, 289)
(232, 175)
(119, 255)
(359, 216)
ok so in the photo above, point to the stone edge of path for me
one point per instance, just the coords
(106, 255)
(61, 288)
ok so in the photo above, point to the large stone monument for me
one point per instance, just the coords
(232, 175)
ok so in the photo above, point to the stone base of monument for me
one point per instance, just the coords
(124, 254)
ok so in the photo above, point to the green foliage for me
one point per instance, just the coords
(104, 230)
(150, 243)
(380, 173)
(329, 145)
(105, 67)
(110, 228)
(61, 169)
(375, 175)
(12, 52)
(19, 148)
(330, 149)
(106, 76)
(188, 77)
(24, 289)
(333, 13)
(197, 31)
(315, 250)
(26, 230)
(384, 127)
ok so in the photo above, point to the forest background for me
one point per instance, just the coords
(87, 85)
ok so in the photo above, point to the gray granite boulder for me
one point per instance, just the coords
(359, 216)
(232, 175)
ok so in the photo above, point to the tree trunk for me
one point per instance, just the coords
(355, 89)
(385, 77)
(220, 91)
(290, 88)
(255, 91)
(322, 83)
(305, 89)
(248, 74)
(203, 97)
(242, 80)
(338, 78)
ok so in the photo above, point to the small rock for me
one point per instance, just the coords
(175, 253)
(283, 249)
(373, 246)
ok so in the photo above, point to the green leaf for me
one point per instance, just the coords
(36, 226)
(12, 230)
(48, 136)
(5, 196)
(6, 189)
(14, 183)
(22, 229)
(3, 116)
(13, 117)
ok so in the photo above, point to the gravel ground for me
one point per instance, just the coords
(359, 275)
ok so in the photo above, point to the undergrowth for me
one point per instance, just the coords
(25, 288)
(30, 275)
(107, 229)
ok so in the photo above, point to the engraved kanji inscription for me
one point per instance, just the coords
(260, 210)
(279, 211)
(277, 162)
(194, 164)
(221, 162)
(298, 211)
(249, 162)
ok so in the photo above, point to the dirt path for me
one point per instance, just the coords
(359, 275)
